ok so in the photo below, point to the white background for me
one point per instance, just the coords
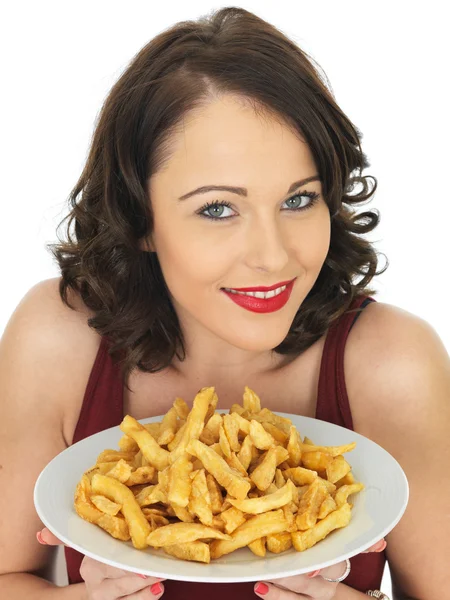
(387, 63)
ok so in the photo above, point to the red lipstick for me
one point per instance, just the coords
(262, 305)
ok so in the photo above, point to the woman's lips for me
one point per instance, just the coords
(262, 305)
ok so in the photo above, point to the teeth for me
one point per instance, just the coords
(262, 295)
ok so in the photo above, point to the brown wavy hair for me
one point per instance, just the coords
(229, 51)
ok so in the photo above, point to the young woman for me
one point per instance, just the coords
(221, 163)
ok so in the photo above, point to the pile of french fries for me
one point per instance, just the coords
(200, 484)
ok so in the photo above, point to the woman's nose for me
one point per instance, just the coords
(266, 248)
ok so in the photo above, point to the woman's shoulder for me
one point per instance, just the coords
(392, 362)
(51, 344)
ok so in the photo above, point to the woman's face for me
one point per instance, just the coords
(257, 238)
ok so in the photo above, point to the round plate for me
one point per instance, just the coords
(376, 510)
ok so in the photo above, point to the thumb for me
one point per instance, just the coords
(46, 537)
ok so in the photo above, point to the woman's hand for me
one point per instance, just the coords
(108, 583)
(308, 586)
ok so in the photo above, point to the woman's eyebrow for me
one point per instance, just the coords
(241, 190)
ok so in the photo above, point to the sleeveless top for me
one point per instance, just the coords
(102, 408)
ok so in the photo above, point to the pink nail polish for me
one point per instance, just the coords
(261, 588)
(381, 546)
(40, 539)
(156, 589)
(141, 576)
(313, 573)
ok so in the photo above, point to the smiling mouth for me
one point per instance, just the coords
(265, 295)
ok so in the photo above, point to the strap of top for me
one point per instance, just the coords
(103, 399)
(332, 400)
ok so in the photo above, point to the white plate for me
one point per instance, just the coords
(376, 511)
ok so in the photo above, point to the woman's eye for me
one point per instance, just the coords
(216, 210)
(296, 203)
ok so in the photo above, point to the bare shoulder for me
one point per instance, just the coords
(392, 358)
(47, 341)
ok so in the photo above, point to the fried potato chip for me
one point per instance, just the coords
(179, 489)
(302, 540)
(259, 436)
(262, 476)
(198, 551)
(231, 428)
(168, 427)
(105, 505)
(180, 533)
(200, 500)
(345, 491)
(156, 456)
(337, 469)
(309, 506)
(256, 506)
(331, 450)
(140, 476)
(119, 493)
(195, 421)
(214, 494)
(251, 401)
(245, 453)
(232, 481)
(316, 461)
(258, 547)
(181, 408)
(256, 527)
(294, 448)
(277, 434)
(327, 506)
(279, 542)
(232, 517)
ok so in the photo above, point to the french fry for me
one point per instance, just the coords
(195, 421)
(232, 517)
(251, 401)
(256, 527)
(258, 547)
(345, 491)
(105, 505)
(198, 551)
(259, 436)
(316, 460)
(310, 503)
(302, 540)
(168, 427)
(156, 456)
(231, 428)
(331, 450)
(181, 408)
(232, 481)
(180, 533)
(256, 506)
(264, 473)
(337, 469)
(179, 489)
(279, 542)
(119, 493)
(200, 500)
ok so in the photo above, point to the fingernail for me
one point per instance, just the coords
(381, 546)
(313, 573)
(156, 589)
(40, 539)
(142, 576)
(261, 588)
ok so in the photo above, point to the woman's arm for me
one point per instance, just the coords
(398, 381)
(45, 360)
(25, 585)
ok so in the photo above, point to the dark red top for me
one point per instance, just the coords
(103, 408)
